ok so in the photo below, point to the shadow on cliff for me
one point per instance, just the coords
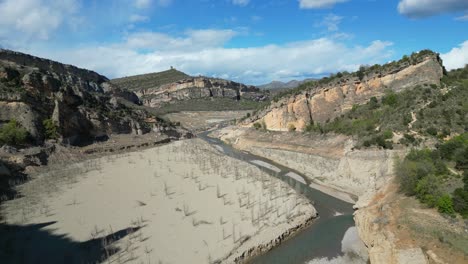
(34, 244)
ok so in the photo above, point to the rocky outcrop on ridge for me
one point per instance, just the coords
(82, 104)
(324, 100)
(156, 89)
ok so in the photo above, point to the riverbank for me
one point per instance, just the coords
(394, 228)
(181, 202)
(328, 161)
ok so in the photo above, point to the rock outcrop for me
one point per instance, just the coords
(156, 89)
(198, 87)
(84, 105)
(324, 101)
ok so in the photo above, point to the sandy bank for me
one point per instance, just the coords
(185, 203)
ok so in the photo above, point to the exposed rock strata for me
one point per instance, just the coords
(84, 105)
(328, 101)
(198, 87)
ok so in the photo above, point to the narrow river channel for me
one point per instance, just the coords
(323, 239)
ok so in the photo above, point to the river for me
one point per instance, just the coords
(321, 242)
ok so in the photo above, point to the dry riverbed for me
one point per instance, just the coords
(178, 203)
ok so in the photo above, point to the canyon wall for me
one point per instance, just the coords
(324, 102)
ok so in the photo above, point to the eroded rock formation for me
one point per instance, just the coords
(83, 104)
(198, 87)
(327, 101)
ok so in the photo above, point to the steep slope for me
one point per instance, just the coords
(172, 86)
(328, 98)
(53, 100)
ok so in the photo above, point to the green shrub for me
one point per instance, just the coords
(373, 103)
(432, 131)
(427, 190)
(445, 205)
(51, 129)
(291, 127)
(390, 99)
(387, 134)
(13, 134)
(257, 125)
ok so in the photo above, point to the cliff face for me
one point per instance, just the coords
(199, 87)
(328, 101)
(82, 103)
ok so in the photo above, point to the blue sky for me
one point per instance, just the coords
(250, 41)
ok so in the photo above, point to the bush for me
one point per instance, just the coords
(387, 134)
(13, 134)
(445, 205)
(427, 190)
(373, 103)
(51, 129)
(257, 125)
(432, 131)
(291, 128)
(390, 99)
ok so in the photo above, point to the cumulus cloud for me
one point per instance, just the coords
(196, 53)
(240, 2)
(33, 18)
(191, 40)
(309, 4)
(456, 57)
(425, 8)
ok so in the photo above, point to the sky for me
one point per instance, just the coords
(249, 41)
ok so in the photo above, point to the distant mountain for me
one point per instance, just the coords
(274, 85)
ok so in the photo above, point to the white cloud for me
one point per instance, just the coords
(138, 18)
(331, 22)
(142, 3)
(456, 57)
(191, 40)
(309, 4)
(240, 2)
(198, 52)
(34, 18)
(462, 18)
(425, 8)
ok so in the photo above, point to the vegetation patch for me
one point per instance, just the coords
(13, 134)
(425, 174)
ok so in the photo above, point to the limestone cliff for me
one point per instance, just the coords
(198, 87)
(155, 89)
(84, 105)
(323, 101)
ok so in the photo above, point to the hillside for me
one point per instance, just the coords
(278, 85)
(173, 90)
(150, 80)
(324, 100)
(43, 99)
